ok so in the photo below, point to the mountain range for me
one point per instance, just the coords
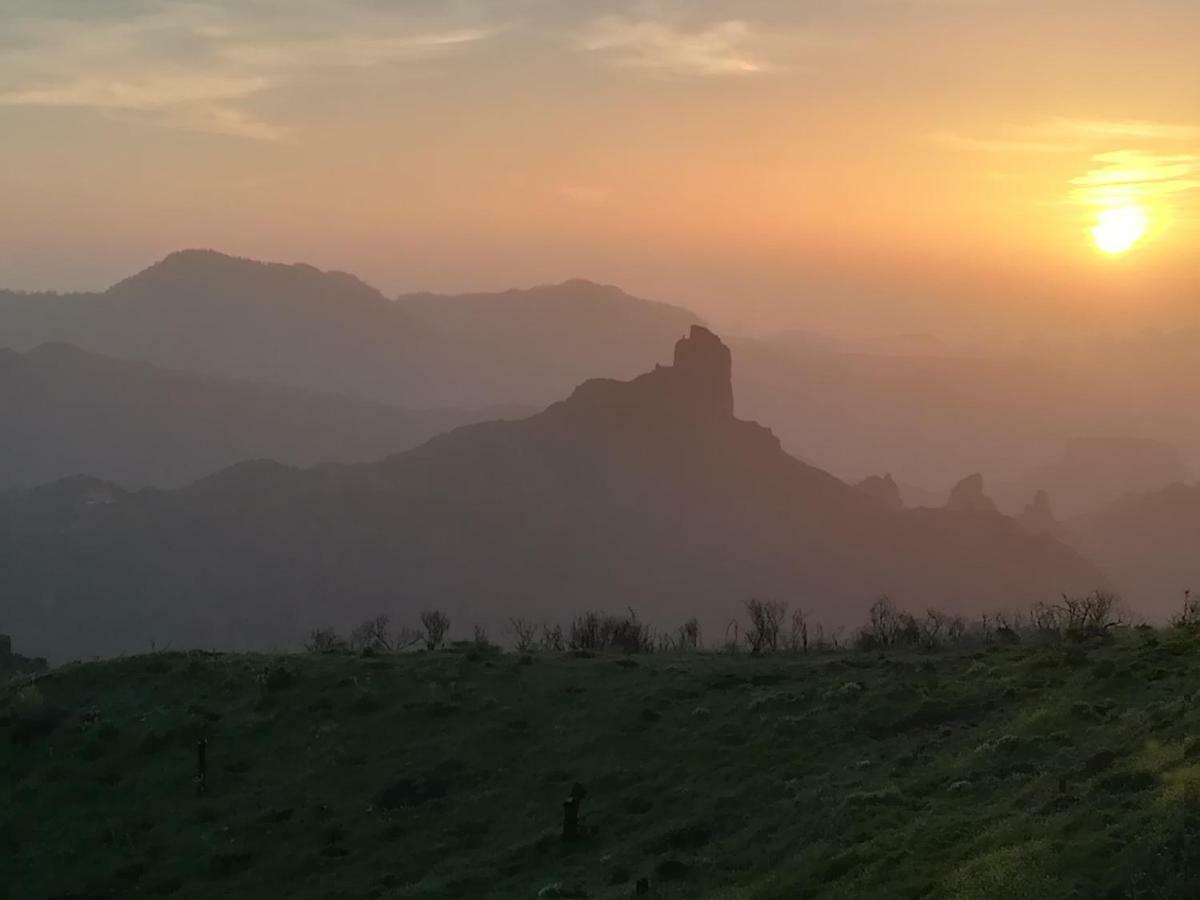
(69, 412)
(926, 411)
(647, 493)
(295, 325)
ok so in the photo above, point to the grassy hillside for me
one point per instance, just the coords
(1047, 771)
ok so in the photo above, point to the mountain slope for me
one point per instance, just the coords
(295, 325)
(1146, 544)
(66, 411)
(1034, 771)
(646, 493)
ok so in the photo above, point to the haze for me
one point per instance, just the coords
(856, 168)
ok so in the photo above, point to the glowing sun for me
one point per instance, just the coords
(1119, 228)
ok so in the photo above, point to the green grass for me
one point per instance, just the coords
(442, 775)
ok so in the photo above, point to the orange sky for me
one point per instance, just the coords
(849, 165)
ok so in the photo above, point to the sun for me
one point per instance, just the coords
(1119, 228)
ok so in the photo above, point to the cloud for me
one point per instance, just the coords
(730, 47)
(1126, 128)
(200, 66)
(954, 141)
(1062, 135)
(1127, 176)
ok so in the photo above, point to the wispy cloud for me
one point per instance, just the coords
(730, 47)
(1128, 176)
(200, 66)
(1060, 135)
(1091, 129)
(955, 141)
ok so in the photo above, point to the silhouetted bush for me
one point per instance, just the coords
(888, 628)
(372, 635)
(436, 624)
(596, 633)
(797, 638)
(552, 638)
(766, 622)
(689, 636)
(524, 634)
(325, 640)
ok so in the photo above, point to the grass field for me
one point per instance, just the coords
(1048, 771)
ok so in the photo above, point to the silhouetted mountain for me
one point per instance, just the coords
(1095, 471)
(296, 325)
(884, 489)
(968, 496)
(66, 411)
(646, 493)
(1038, 516)
(1146, 544)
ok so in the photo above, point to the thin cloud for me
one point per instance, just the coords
(730, 47)
(1064, 134)
(954, 141)
(1127, 128)
(1127, 176)
(199, 66)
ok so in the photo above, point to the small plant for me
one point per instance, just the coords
(688, 637)
(436, 624)
(524, 634)
(325, 640)
(373, 635)
(552, 638)
(766, 622)
(888, 628)
(1189, 617)
(797, 639)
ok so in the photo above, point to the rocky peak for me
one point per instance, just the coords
(704, 365)
(1038, 516)
(697, 387)
(968, 496)
(883, 489)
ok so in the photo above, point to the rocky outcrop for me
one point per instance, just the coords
(1038, 516)
(883, 489)
(968, 496)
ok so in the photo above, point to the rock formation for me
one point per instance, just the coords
(968, 496)
(1038, 516)
(883, 489)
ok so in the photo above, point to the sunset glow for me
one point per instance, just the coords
(1118, 230)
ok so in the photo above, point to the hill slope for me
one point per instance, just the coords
(1028, 771)
(206, 312)
(1148, 546)
(647, 493)
(66, 411)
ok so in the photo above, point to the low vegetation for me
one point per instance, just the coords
(1050, 755)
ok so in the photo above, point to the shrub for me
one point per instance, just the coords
(524, 634)
(797, 640)
(766, 621)
(436, 624)
(552, 638)
(689, 635)
(596, 633)
(888, 628)
(373, 635)
(325, 640)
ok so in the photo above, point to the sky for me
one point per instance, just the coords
(982, 168)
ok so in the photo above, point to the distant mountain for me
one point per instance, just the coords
(1095, 471)
(295, 325)
(647, 493)
(65, 411)
(1147, 545)
(541, 342)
